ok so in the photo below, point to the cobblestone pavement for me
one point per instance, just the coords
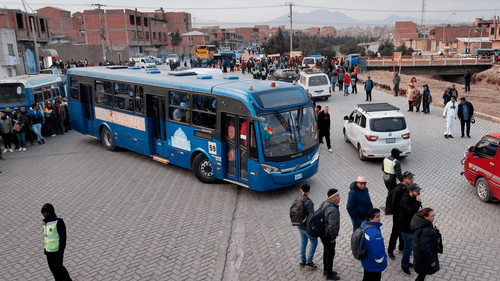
(130, 218)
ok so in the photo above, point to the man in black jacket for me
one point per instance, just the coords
(465, 112)
(54, 238)
(304, 237)
(324, 127)
(409, 206)
(332, 228)
(395, 198)
(392, 172)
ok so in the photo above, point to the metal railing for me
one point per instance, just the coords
(431, 61)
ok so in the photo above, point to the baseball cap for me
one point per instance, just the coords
(361, 179)
(414, 187)
(408, 174)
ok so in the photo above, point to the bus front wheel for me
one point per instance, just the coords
(202, 169)
(107, 139)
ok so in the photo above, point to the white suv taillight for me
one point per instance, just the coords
(405, 136)
(371, 138)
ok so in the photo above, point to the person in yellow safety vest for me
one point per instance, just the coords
(392, 172)
(54, 242)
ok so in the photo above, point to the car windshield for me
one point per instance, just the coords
(289, 132)
(487, 147)
(318, 80)
(390, 124)
(308, 61)
(172, 56)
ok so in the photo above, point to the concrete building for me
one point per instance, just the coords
(19, 33)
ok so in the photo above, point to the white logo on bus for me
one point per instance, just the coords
(180, 140)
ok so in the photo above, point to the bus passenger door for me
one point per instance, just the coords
(156, 124)
(87, 100)
(235, 143)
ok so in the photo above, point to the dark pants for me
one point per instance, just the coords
(390, 184)
(341, 86)
(396, 90)
(7, 141)
(369, 95)
(395, 234)
(325, 133)
(354, 88)
(463, 124)
(421, 277)
(467, 86)
(410, 105)
(426, 107)
(55, 261)
(328, 255)
(372, 276)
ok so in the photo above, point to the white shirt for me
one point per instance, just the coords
(451, 109)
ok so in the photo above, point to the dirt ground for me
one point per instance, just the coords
(484, 94)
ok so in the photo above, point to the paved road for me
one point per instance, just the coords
(130, 218)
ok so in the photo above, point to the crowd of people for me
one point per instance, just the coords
(33, 124)
(411, 224)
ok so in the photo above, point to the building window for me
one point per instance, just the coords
(159, 35)
(154, 35)
(147, 35)
(132, 19)
(138, 20)
(140, 35)
(42, 25)
(492, 31)
(20, 21)
(145, 21)
(10, 47)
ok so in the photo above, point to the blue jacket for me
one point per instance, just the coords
(377, 258)
(368, 85)
(358, 204)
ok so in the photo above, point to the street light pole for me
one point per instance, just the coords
(446, 25)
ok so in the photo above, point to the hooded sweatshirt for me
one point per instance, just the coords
(358, 203)
(61, 226)
(425, 242)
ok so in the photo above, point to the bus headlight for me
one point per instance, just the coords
(270, 169)
(315, 157)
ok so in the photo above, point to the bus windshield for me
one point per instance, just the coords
(12, 94)
(289, 132)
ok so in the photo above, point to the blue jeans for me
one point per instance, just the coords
(37, 128)
(21, 137)
(333, 86)
(346, 88)
(408, 238)
(303, 244)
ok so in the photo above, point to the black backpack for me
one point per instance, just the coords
(316, 222)
(358, 242)
(297, 213)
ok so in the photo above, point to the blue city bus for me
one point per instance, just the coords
(26, 90)
(258, 134)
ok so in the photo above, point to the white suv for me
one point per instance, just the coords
(316, 83)
(375, 129)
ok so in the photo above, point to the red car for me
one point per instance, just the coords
(482, 167)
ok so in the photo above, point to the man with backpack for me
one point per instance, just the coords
(301, 208)
(332, 228)
(376, 259)
(395, 198)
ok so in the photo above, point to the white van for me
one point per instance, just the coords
(315, 83)
(312, 61)
(144, 62)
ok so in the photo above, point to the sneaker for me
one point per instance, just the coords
(5, 150)
(311, 265)
(20, 149)
(11, 150)
(43, 140)
(450, 136)
(24, 148)
(391, 255)
(330, 150)
(445, 136)
(406, 271)
(468, 136)
(302, 263)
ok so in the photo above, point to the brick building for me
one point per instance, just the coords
(61, 24)
(18, 31)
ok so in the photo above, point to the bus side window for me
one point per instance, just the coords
(179, 108)
(47, 94)
(103, 93)
(253, 152)
(204, 111)
(38, 95)
(138, 99)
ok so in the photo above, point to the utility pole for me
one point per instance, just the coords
(291, 4)
(422, 24)
(102, 31)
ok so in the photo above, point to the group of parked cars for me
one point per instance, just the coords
(152, 61)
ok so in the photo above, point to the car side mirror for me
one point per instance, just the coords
(346, 118)
(471, 149)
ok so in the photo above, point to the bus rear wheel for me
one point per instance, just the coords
(202, 169)
(107, 139)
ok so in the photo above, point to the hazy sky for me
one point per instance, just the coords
(253, 12)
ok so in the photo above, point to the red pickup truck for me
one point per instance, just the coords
(482, 167)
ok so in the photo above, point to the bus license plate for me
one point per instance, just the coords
(390, 140)
(298, 176)
(289, 76)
